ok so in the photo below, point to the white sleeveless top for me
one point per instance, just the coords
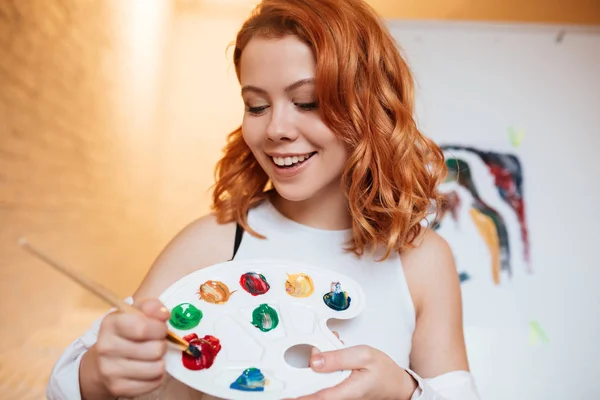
(388, 321)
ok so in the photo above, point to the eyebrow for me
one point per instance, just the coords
(295, 85)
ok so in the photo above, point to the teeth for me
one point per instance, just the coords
(287, 161)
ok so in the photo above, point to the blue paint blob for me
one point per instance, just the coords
(463, 276)
(251, 380)
(337, 299)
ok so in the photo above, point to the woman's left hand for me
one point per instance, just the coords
(374, 375)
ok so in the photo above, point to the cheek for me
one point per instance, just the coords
(340, 158)
(324, 138)
(336, 150)
(252, 132)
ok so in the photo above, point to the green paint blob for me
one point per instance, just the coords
(265, 318)
(185, 316)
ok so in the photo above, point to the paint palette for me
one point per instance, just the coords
(244, 316)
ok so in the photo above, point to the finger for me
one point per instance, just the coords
(314, 351)
(139, 327)
(152, 350)
(136, 370)
(153, 308)
(350, 358)
(131, 388)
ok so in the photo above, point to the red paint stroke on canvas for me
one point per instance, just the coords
(507, 172)
(506, 184)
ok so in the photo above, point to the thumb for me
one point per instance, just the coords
(153, 308)
(314, 351)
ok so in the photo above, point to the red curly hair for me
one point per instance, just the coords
(366, 97)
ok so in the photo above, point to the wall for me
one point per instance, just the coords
(532, 332)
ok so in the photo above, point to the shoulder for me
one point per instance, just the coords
(430, 270)
(438, 340)
(201, 243)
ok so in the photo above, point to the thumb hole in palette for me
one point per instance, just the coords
(298, 356)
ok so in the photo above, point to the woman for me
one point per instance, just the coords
(329, 168)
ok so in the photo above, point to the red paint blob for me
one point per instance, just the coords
(209, 347)
(255, 284)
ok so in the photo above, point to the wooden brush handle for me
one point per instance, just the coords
(96, 289)
(90, 285)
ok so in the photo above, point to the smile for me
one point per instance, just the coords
(292, 161)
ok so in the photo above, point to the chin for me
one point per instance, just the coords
(296, 193)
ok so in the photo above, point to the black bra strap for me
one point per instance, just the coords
(239, 233)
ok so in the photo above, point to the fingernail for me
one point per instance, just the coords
(164, 310)
(318, 361)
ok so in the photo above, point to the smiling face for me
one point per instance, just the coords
(282, 125)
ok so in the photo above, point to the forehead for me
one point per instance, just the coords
(274, 63)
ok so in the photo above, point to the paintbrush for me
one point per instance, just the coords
(104, 294)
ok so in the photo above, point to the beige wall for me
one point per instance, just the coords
(112, 115)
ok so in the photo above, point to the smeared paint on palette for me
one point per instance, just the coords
(337, 299)
(299, 285)
(255, 284)
(209, 347)
(215, 292)
(251, 380)
(265, 318)
(185, 316)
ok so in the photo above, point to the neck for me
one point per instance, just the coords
(327, 210)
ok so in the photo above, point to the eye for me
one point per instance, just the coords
(307, 106)
(256, 110)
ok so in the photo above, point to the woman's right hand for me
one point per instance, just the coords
(127, 359)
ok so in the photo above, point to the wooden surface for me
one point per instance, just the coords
(531, 11)
(585, 12)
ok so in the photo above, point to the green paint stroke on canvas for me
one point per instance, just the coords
(515, 136)
(537, 334)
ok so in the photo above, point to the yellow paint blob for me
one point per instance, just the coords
(299, 285)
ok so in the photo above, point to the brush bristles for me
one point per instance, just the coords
(194, 351)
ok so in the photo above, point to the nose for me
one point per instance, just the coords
(281, 126)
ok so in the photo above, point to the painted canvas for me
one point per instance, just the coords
(484, 207)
